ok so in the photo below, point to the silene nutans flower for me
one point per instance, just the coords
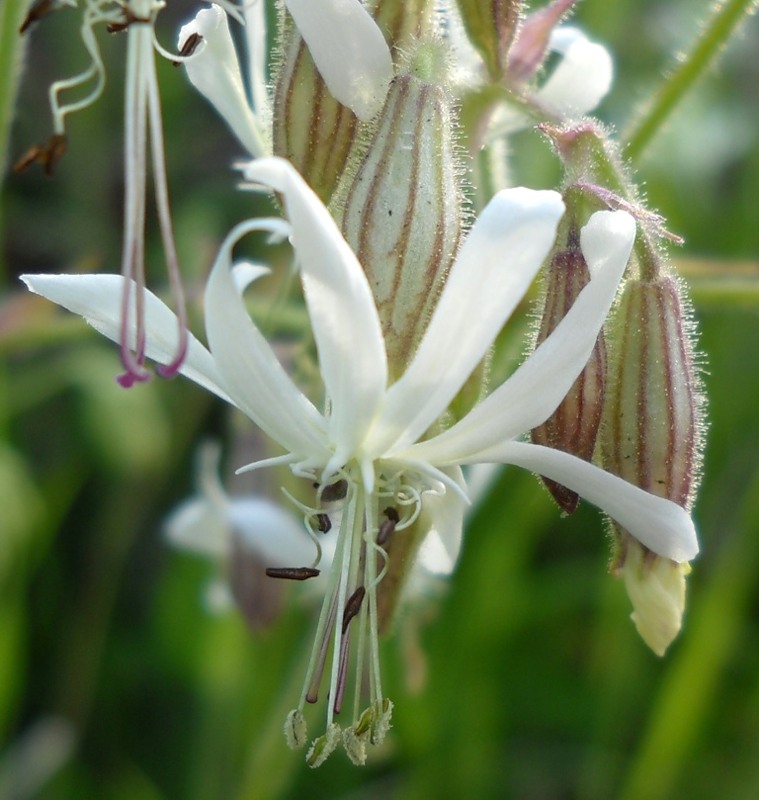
(653, 433)
(366, 442)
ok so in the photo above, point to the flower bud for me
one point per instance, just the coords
(652, 415)
(491, 27)
(652, 437)
(401, 211)
(311, 128)
(573, 426)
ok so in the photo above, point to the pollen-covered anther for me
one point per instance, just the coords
(323, 747)
(296, 731)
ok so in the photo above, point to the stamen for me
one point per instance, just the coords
(312, 695)
(292, 573)
(130, 18)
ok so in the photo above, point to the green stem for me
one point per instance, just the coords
(727, 15)
(12, 45)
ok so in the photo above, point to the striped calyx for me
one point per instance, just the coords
(311, 129)
(652, 417)
(401, 211)
(573, 426)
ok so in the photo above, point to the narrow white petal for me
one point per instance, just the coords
(658, 524)
(440, 549)
(582, 78)
(340, 303)
(532, 393)
(252, 374)
(349, 51)
(254, 12)
(97, 298)
(214, 71)
(493, 270)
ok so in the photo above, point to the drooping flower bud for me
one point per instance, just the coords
(401, 211)
(573, 426)
(491, 28)
(652, 437)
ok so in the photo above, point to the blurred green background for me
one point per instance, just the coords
(527, 680)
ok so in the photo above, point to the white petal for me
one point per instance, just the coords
(97, 298)
(200, 526)
(341, 307)
(215, 72)
(660, 525)
(254, 12)
(252, 374)
(349, 51)
(493, 270)
(440, 549)
(581, 79)
(270, 532)
(532, 393)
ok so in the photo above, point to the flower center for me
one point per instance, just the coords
(349, 622)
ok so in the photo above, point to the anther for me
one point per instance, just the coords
(189, 47)
(292, 573)
(387, 528)
(48, 155)
(353, 606)
(334, 491)
(323, 522)
(38, 10)
(130, 18)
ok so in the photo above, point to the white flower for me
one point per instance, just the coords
(347, 47)
(371, 436)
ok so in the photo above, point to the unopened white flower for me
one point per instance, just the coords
(371, 436)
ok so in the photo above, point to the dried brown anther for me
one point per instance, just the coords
(48, 155)
(189, 47)
(387, 528)
(38, 10)
(130, 18)
(292, 573)
(353, 606)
